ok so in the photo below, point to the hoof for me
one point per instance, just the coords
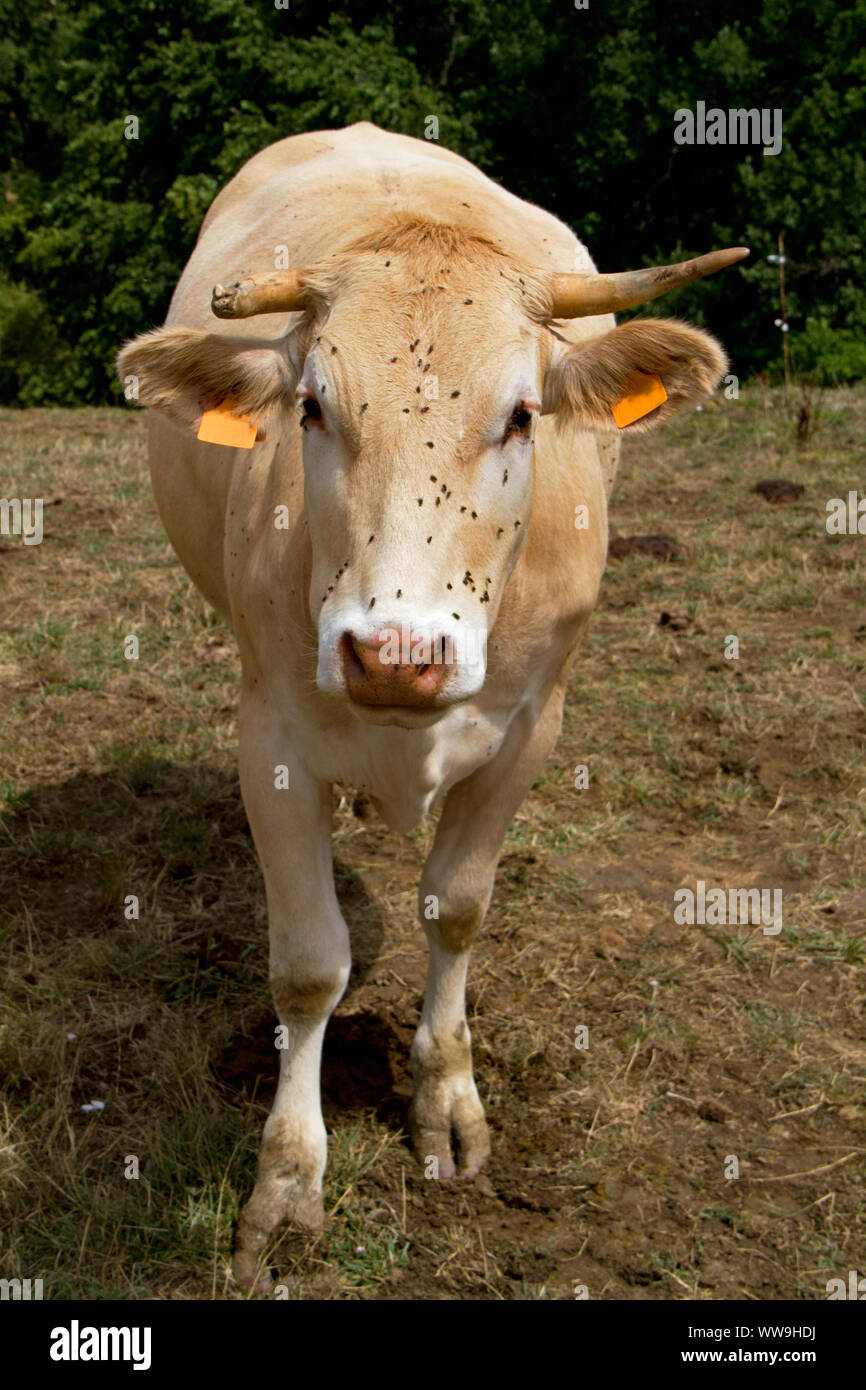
(265, 1211)
(434, 1124)
(248, 1274)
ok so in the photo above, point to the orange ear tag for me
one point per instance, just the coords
(221, 427)
(645, 393)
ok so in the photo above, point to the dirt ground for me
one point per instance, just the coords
(612, 1162)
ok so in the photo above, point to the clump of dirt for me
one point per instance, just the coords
(661, 547)
(777, 490)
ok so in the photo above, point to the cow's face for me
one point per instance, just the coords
(419, 398)
(417, 374)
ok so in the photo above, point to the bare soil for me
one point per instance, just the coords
(712, 1049)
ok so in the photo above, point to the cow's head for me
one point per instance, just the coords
(418, 371)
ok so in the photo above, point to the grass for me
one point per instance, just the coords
(118, 782)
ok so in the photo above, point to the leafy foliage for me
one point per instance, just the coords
(573, 109)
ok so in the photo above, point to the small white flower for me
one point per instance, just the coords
(71, 1037)
(94, 1105)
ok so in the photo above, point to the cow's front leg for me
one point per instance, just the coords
(457, 883)
(309, 967)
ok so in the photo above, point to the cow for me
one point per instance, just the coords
(377, 484)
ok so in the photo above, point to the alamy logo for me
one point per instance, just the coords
(855, 1289)
(22, 518)
(846, 518)
(404, 647)
(713, 907)
(20, 1289)
(76, 1343)
(734, 127)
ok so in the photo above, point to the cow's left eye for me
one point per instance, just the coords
(520, 421)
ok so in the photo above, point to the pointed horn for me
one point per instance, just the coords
(280, 292)
(577, 296)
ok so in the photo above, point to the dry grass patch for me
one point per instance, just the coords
(609, 1164)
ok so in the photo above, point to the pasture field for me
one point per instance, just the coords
(609, 1165)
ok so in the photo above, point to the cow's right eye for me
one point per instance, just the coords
(311, 412)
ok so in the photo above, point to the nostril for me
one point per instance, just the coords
(352, 663)
(430, 677)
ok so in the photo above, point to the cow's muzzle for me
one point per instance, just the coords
(414, 676)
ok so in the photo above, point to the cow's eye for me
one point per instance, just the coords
(310, 414)
(520, 421)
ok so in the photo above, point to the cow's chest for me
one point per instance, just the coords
(405, 770)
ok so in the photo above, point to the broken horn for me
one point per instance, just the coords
(577, 296)
(280, 292)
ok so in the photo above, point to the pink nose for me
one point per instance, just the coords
(374, 676)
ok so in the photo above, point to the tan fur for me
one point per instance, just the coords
(183, 372)
(592, 377)
(435, 251)
(410, 256)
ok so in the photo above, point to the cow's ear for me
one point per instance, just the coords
(183, 372)
(612, 382)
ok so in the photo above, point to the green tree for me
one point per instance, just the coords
(572, 109)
